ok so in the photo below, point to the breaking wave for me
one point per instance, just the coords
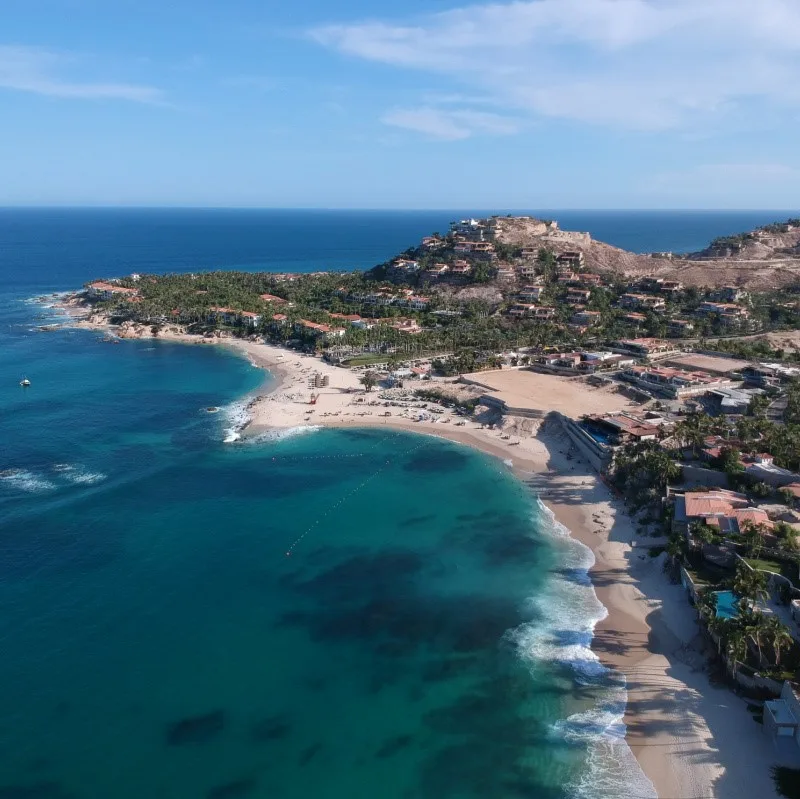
(52, 478)
(282, 435)
(567, 613)
(237, 417)
(27, 481)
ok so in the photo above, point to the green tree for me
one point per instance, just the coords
(703, 533)
(749, 583)
(753, 538)
(369, 380)
(735, 646)
(753, 623)
(779, 636)
(707, 605)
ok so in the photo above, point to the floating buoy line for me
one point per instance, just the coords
(350, 494)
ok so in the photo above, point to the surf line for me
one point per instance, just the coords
(350, 494)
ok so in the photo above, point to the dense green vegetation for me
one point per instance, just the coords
(466, 330)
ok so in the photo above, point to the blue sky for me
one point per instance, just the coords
(435, 104)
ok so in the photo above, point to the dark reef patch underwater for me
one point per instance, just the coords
(426, 638)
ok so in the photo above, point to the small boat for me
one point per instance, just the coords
(24, 382)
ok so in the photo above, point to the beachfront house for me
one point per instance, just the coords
(101, 290)
(727, 511)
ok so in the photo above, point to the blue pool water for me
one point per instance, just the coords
(598, 436)
(727, 605)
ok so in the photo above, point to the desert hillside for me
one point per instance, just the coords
(768, 258)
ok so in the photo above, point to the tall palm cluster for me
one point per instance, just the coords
(753, 432)
(751, 631)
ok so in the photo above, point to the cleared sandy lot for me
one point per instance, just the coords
(539, 392)
(706, 363)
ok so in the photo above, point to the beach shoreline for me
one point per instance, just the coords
(691, 740)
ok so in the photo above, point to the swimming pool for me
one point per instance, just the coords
(727, 605)
(599, 437)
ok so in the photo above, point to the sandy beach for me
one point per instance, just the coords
(693, 740)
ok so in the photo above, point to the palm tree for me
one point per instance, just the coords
(754, 624)
(707, 605)
(749, 583)
(693, 430)
(753, 538)
(736, 647)
(676, 546)
(702, 532)
(779, 636)
(721, 627)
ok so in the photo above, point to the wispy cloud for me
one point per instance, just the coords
(39, 71)
(449, 125)
(726, 178)
(635, 64)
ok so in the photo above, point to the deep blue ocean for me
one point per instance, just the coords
(429, 638)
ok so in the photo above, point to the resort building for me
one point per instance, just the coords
(674, 383)
(406, 326)
(585, 318)
(230, 316)
(723, 310)
(527, 271)
(729, 294)
(572, 259)
(762, 468)
(522, 309)
(782, 715)
(531, 293)
(635, 319)
(642, 301)
(437, 270)
(101, 290)
(317, 329)
(726, 510)
(680, 327)
(620, 428)
(250, 319)
(647, 347)
(273, 298)
(577, 296)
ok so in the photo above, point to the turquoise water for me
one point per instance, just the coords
(428, 636)
(727, 605)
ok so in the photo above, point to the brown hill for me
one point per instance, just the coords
(764, 259)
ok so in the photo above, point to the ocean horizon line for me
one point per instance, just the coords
(388, 209)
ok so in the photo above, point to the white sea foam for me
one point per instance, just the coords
(237, 417)
(77, 474)
(282, 435)
(24, 480)
(567, 612)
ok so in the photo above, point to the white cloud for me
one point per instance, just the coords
(640, 64)
(727, 177)
(449, 125)
(30, 69)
